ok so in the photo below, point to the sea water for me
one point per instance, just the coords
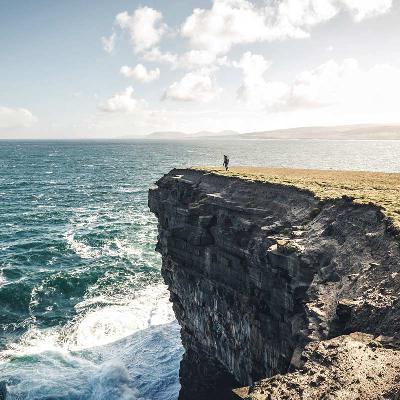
(84, 313)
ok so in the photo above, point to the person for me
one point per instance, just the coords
(226, 162)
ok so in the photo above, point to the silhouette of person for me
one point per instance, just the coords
(226, 162)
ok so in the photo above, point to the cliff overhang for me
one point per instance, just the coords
(267, 273)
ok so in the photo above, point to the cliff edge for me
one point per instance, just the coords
(280, 289)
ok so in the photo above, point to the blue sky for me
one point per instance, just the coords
(230, 64)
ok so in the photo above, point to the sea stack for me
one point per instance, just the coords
(285, 282)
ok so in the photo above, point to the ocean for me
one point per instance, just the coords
(84, 313)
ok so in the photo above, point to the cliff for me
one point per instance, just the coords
(274, 283)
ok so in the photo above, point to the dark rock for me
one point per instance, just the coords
(254, 303)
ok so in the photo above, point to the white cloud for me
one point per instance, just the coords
(212, 32)
(192, 59)
(109, 43)
(255, 91)
(194, 86)
(326, 85)
(346, 83)
(123, 102)
(156, 55)
(145, 27)
(196, 58)
(141, 73)
(16, 118)
(253, 66)
(231, 22)
(362, 9)
(332, 84)
(228, 22)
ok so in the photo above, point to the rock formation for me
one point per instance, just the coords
(271, 284)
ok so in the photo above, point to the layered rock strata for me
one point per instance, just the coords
(261, 275)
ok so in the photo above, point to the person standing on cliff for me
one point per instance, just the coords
(226, 162)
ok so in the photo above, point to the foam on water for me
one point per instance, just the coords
(107, 324)
(2, 278)
(99, 321)
(112, 382)
(88, 350)
(80, 248)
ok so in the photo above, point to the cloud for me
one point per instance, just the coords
(145, 27)
(347, 84)
(109, 43)
(212, 32)
(196, 58)
(141, 73)
(16, 118)
(253, 66)
(192, 59)
(123, 102)
(362, 9)
(255, 91)
(194, 86)
(228, 22)
(330, 84)
(157, 56)
(231, 22)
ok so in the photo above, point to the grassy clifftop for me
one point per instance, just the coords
(379, 188)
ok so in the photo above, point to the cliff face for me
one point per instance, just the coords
(260, 272)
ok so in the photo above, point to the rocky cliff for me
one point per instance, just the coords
(270, 283)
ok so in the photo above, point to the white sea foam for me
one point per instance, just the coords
(34, 341)
(112, 248)
(3, 280)
(112, 383)
(80, 248)
(84, 357)
(71, 376)
(107, 324)
(98, 325)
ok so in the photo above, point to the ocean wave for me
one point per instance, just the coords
(107, 324)
(114, 247)
(79, 247)
(85, 359)
(112, 382)
(3, 280)
(100, 321)
(143, 366)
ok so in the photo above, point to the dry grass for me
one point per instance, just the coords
(379, 188)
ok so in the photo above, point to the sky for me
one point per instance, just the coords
(104, 69)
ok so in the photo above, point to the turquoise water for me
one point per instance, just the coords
(83, 310)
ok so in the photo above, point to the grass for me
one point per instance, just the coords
(379, 188)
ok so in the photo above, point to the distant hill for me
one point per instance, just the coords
(343, 132)
(172, 135)
(215, 134)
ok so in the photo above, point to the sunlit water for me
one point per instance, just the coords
(83, 310)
